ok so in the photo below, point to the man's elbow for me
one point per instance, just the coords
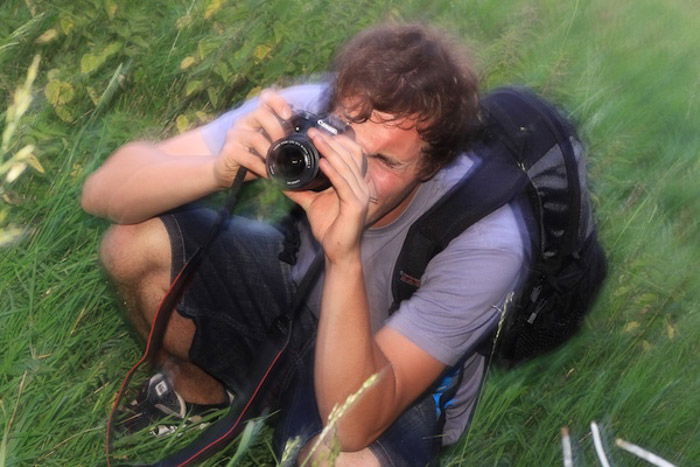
(96, 193)
(89, 198)
(96, 202)
(95, 198)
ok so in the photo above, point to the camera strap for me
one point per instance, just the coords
(248, 402)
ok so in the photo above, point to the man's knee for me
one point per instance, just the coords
(129, 252)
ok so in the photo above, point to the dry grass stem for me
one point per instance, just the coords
(598, 443)
(337, 413)
(566, 447)
(643, 453)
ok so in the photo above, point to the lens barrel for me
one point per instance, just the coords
(293, 160)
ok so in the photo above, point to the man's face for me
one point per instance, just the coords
(393, 151)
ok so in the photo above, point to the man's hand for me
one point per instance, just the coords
(337, 215)
(143, 179)
(248, 141)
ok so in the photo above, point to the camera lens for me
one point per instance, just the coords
(293, 160)
(290, 162)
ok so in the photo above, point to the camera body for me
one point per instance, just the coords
(292, 161)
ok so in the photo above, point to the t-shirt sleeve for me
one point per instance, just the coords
(463, 289)
(307, 97)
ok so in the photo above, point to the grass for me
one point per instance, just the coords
(112, 71)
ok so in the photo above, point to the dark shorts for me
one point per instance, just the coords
(235, 295)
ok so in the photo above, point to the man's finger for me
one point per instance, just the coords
(269, 124)
(256, 143)
(276, 103)
(344, 149)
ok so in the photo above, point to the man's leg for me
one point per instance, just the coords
(138, 259)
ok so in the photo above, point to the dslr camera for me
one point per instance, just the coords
(293, 160)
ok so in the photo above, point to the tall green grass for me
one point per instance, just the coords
(112, 71)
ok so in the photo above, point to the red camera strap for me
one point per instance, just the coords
(247, 403)
(154, 340)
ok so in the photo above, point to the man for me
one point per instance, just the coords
(410, 99)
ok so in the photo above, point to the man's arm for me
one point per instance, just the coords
(143, 179)
(347, 354)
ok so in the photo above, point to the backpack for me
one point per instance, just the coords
(530, 156)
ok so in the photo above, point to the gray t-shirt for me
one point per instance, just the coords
(462, 289)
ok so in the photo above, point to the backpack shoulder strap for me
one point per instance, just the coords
(491, 185)
(495, 180)
(517, 130)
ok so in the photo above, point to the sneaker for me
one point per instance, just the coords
(158, 406)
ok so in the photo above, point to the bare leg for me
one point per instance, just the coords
(138, 259)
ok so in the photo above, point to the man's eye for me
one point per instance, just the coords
(386, 161)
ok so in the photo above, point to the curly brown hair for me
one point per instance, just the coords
(415, 71)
